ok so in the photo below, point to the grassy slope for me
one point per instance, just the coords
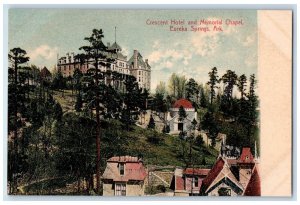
(168, 152)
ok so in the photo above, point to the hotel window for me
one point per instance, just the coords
(120, 189)
(121, 168)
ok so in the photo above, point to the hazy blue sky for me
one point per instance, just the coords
(44, 33)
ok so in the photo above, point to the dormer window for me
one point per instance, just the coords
(121, 168)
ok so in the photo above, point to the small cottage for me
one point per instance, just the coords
(175, 123)
(124, 176)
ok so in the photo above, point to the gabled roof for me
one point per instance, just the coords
(246, 156)
(134, 169)
(115, 46)
(45, 72)
(213, 173)
(220, 173)
(183, 102)
(253, 186)
(140, 61)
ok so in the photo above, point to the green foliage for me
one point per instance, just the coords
(76, 150)
(155, 138)
(213, 80)
(79, 103)
(182, 113)
(192, 91)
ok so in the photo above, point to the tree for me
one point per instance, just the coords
(131, 101)
(161, 89)
(151, 124)
(182, 113)
(173, 85)
(78, 104)
(203, 99)
(159, 103)
(191, 90)
(230, 80)
(17, 90)
(95, 52)
(213, 80)
(242, 83)
(77, 78)
(210, 124)
(75, 148)
(181, 87)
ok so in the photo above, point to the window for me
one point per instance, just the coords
(139, 72)
(196, 182)
(121, 168)
(120, 190)
(139, 79)
(223, 191)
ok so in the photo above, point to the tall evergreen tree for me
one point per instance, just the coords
(95, 53)
(191, 90)
(242, 83)
(17, 90)
(213, 80)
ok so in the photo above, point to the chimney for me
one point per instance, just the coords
(135, 57)
(72, 57)
(67, 59)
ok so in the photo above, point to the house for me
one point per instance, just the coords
(175, 123)
(220, 181)
(187, 182)
(124, 176)
(46, 75)
(232, 176)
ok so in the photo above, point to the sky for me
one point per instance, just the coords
(48, 33)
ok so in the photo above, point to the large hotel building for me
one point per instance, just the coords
(135, 66)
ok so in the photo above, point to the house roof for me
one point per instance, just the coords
(182, 102)
(220, 172)
(134, 169)
(115, 46)
(196, 171)
(213, 173)
(253, 186)
(45, 72)
(140, 61)
(246, 156)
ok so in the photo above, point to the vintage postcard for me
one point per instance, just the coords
(149, 102)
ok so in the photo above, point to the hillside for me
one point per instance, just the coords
(170, 151)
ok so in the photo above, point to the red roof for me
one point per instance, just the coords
(213, 173)
(182, 102)
(253, 187)
(196, 171)
(179, 183)
(246, 156)
(134, 169)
